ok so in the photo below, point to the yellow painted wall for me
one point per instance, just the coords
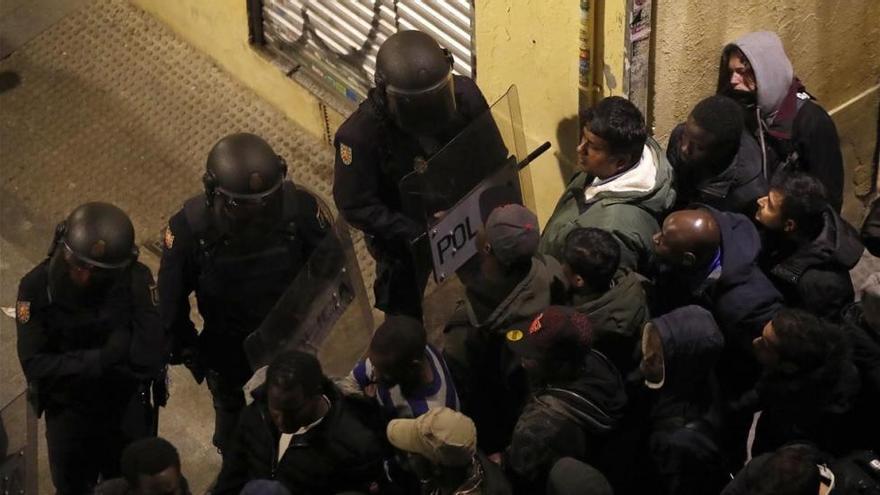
(834, 47)
(534, 45)
(220, 29)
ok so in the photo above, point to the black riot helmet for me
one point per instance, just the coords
(245, 175)
(414, 77)
(92, 248)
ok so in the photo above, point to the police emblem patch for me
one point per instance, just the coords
(345, 153)
(23, 311)
(168, 238)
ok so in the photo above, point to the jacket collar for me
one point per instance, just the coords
(836, 244)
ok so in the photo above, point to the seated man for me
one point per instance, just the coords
(614, 301)
(809, 249)
(301, 431)
(809, 386)
(679, 352)
(149, 466)
(793, 130)
(441, 448)
(505, 282)
(625, 184)
(716, 161)
(405, 375)
(578, 397)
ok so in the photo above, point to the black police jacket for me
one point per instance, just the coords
(339, 454)
(235, 290)
(373, 155)
(89, 357)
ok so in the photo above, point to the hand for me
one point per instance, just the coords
(116, 348)
(496, 458)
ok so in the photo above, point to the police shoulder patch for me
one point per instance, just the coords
(168, 239)
(23, 311)
(345, 153)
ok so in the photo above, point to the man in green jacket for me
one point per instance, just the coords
(614, 300)
(625, 184)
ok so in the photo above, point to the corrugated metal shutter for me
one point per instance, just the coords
(335, 41)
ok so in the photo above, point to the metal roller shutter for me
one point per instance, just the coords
(334, 42)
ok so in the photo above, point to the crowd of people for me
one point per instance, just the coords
(684, 323)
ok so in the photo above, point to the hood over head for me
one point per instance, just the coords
(691, 342)
(740, 242)
(773, 70)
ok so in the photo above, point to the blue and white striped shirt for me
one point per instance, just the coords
(439, 393)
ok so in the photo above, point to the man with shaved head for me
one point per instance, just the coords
(708, 257)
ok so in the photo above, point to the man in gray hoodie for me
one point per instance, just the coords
(794, 132)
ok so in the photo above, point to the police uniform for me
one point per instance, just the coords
(86, 366)
(372, 156)
(235, 288)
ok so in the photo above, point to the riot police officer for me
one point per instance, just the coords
(238, 246)
(90, 341)
(415, 108)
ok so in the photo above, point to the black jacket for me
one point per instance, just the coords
(810, 143)
(573, 419)
(234, 290)
(737, 188)
(818, 405)
(63, 347)
(338, 454)
(373, 155)
(815, 276)
(871, 229)
(742, 299)
(853, 474)
(682, 444)
(865, 342)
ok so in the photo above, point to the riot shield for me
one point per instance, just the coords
(462, 183)
(327, 294)
(18, 447)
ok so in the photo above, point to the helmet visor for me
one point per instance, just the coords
(425, 111)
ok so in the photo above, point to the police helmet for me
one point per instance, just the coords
(414, 77)
(97, 236)
(243, 169)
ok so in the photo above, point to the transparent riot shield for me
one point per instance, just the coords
(18, 447)
(457, 188)
(326, 295)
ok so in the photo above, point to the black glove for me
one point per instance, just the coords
(115, 349)
(189, 356)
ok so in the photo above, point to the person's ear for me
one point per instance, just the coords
(579, 282)
(688, 259)
(789, 226)
(621, 163)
